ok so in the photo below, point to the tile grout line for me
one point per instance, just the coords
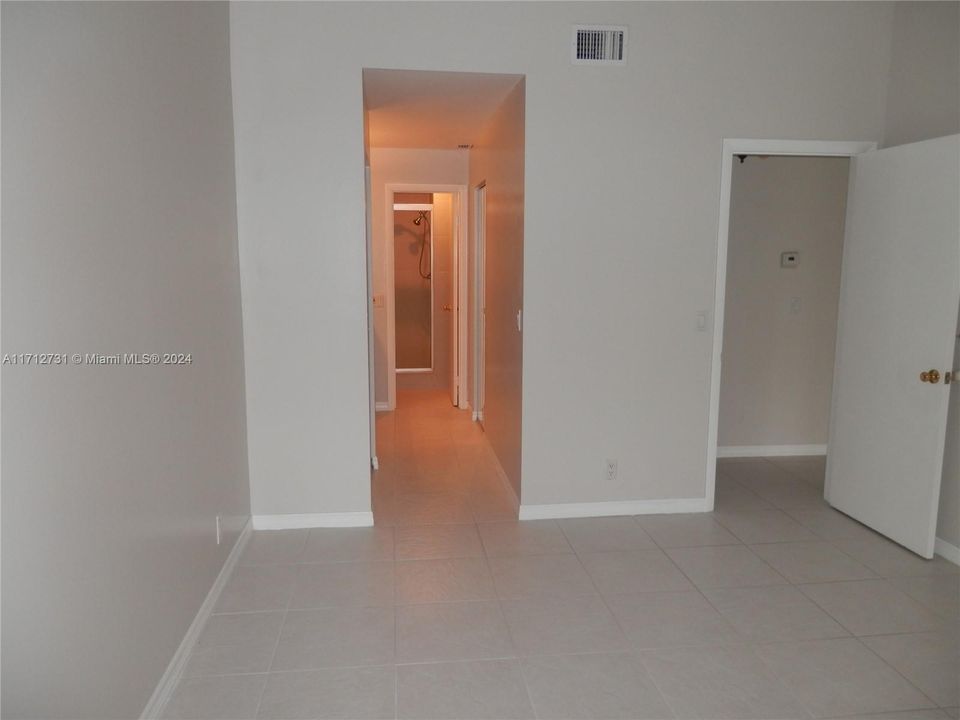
(276, 645)
(630, 649)
(905, 678)
(513, 642)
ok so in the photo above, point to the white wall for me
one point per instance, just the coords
(393, 166)
(620, 225)
(923, 97)
(497, 159)
(778, 358)
(119, 235)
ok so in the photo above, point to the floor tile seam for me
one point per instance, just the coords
(510, 634)
(273, 655)
(854, 634)
(933, 703)
(624, 634)
(664, 548)
(826, 610)
(890, 585)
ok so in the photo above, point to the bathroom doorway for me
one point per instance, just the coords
(414, 280)
(426, 262)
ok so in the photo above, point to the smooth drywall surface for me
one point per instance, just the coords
(119, 236)
(393, 166)
(620, 223)
(923, 99)
(780, 325)
(948, 525)
(497, 160)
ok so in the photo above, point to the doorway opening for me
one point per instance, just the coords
(811, 299)
(431, 139)
(754, 262)
(426, 258)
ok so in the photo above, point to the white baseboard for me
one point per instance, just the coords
(734, 451)
(382, 406)
(616, 507)
(168, 682)
(295, 521)
(947, 551)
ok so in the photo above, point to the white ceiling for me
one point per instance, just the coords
(420, 109)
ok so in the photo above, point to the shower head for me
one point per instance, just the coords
(420, 218)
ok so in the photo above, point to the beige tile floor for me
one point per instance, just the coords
(774, 606)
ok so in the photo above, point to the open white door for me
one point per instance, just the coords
(897, 318)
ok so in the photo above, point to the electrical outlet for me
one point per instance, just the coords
(610, 468)
(218, 529)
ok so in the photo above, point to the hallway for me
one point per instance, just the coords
(436, 466)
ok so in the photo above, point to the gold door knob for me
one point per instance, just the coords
(447, 308)
(930, 376)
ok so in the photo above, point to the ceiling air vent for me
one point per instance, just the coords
(599, 45)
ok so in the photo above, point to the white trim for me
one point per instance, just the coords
(168, 682)
(461, 258)
(479, 297)
(413, 206)
(735, 451)
(371, 344)
(382, 406)
(460, 192)
(295, 521)
(948, 551)
(731, 147)
(616, 507)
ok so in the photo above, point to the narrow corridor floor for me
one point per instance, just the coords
(436, 466)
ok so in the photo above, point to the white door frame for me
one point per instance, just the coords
(731, 148)
(459, 193)
(371, 362)
(479, 280)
